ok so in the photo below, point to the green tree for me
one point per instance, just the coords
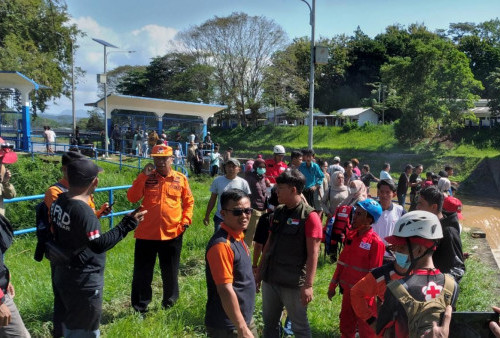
(95, 121)
(493, 81)
(239, 48)
(434, 85)
(36, 39)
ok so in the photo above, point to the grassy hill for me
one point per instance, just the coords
(372, 145)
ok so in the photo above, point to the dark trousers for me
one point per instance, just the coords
(81, 296)
(169, 254)
(59, 309)
(198, 165)
(309, 195)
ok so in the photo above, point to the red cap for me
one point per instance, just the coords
(396, 240)
(453, 204)
(7, 154)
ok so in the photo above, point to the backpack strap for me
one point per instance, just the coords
(403, 296)
(60, 186)
(448, 288)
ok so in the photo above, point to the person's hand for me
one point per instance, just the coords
(5, 315)
(245, 332)
(306, 294)
(443, 330)
(495, 329)
(258, 280)
(11, 291)
(105, 209)
(6, 176)
(206, 221)
(148, 169)
(138, 215)
(313, 188)
(331, 293)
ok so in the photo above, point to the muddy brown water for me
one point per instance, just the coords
(485, 215)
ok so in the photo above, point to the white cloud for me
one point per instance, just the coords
(148, 41)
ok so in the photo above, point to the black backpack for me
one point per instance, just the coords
(43, 232)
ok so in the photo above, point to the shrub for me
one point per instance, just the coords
(349, 126)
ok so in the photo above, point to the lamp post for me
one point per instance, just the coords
(312, 22)
(104, 81)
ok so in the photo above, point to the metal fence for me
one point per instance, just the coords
(109, 190)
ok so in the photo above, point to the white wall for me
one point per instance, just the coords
(368, 116)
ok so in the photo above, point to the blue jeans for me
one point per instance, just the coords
(402, 200)
(274, 297)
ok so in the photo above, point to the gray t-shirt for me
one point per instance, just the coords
(221, 184)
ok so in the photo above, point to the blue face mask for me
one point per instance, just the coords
(261, 171)
(402, 260)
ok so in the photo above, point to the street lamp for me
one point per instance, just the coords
(312, 21)
(104, 81)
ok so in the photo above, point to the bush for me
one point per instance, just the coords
(349, 126)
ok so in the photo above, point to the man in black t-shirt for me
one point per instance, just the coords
(415, 186)
(403, 184)
(81, 249)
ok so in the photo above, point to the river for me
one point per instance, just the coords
(485, 215)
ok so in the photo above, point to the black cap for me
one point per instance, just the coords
(70, 156)
(81, 172)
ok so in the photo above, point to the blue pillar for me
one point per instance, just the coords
(26, 128)
(160, 126)
(204, 131)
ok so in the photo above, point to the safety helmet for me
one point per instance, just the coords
(279, 150)
(372, 207)
(418, 223)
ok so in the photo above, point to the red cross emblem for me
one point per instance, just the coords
(431, 291)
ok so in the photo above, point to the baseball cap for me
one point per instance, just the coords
(81, 172)
(336, 159)
(233, 161)
(70, 156)
(7, 153)
(453, 204)
(161, 150)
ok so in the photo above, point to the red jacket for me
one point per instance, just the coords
(361, 254)
(274, 169)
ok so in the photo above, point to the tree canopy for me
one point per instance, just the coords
(37, 40)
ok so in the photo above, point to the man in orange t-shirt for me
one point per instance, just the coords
(230, 281)
(165, 193)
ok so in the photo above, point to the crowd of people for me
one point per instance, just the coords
(269, 224)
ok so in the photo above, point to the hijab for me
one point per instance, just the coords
(335, 186)
(357, 194)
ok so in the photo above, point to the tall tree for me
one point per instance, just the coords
(239, 48)
(37, 39)
(434, 85)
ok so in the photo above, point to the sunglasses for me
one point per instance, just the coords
(6, 146)
(239, 212)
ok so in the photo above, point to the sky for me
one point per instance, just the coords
(149, 27)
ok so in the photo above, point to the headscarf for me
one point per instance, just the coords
(359, 194)
(335, 186)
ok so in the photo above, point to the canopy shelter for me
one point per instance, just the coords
(16, 80)
(159, 107)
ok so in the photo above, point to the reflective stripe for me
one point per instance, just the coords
(345, 283)
(353, 267)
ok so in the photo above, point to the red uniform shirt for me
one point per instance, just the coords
(361, 254)
(274, 169)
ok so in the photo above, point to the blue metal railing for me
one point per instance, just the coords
(110, 191)
(94, 152)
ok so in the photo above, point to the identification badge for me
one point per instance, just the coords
(364, 245)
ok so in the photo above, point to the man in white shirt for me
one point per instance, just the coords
(222, 183)
(384, 174)
(335, 166)
(391, 212)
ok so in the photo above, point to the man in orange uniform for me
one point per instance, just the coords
(363, 251)
(275, 166)
(165, 193)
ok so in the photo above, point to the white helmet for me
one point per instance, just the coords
(418, 223)
(279, 150)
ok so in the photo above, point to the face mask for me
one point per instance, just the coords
(402, 260)
(261, 171)
(352, 190)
